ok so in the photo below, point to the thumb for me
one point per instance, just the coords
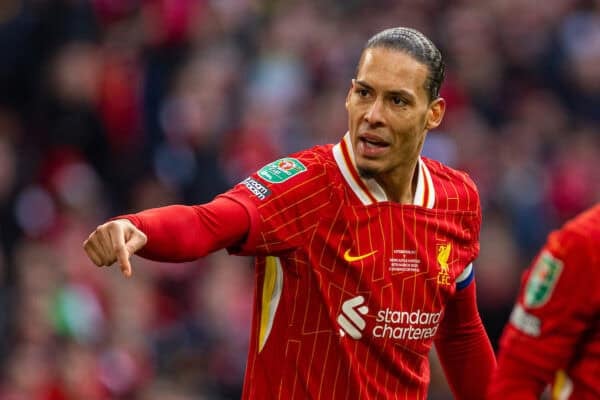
(135, 241)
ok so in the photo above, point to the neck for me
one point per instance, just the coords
(400, 185)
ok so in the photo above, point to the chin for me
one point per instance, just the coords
(367, 172)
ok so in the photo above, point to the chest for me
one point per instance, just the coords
(398, 255)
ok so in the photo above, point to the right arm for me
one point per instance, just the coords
(257, 216)
(174, 233)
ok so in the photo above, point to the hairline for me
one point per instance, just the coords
(408, 53)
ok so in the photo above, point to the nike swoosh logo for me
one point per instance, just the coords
(350, 258)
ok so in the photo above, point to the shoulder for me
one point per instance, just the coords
(298, 180)
(299, 166)
(296, 174)
(579, 237)
(317, 158)
(454, 189)
(585, 224)
(571, 257)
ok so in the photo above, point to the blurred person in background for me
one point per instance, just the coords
(553, 337)
(364, 249)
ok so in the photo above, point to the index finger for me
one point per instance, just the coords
(123, 260)
(117, 237)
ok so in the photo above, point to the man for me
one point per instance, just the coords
(363, 248)
(553, 336)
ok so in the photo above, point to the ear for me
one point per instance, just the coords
(435, 114)
(349, 93)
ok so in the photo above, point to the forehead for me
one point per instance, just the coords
(389, 69)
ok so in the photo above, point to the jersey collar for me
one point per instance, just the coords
(369, 191)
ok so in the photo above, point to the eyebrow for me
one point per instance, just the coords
(399, 92)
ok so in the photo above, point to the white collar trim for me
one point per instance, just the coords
(369, 191)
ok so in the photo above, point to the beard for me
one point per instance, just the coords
(366, 173)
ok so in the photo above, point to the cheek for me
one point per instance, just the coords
(412, 123)
(425, 120)
(354, 115)
(409, 132)
(404, 124)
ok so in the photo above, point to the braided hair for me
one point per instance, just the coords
(417, 45)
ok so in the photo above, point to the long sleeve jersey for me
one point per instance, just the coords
(553, 336)
(352, 290)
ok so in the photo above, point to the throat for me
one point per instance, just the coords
(399, 188)
(401, 197)
(366, 174)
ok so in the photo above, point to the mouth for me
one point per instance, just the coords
(372, 143)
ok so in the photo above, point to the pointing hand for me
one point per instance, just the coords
(114, 241)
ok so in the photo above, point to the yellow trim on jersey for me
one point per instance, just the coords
(563, 387)
(271, 293)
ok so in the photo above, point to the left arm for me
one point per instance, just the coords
(464, 348)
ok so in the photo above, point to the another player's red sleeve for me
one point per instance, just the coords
(183, 233)
(464, 348)
(518, 380)
(549, 318)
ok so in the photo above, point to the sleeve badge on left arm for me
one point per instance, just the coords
(543, 279)
(281, 170)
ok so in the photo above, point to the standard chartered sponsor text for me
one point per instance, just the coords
(415, 325)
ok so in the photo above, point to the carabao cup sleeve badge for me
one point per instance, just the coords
(542, 280)
(281, 170)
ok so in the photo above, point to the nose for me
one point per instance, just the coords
(374, 115)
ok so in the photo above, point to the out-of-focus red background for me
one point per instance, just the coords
(113, 106)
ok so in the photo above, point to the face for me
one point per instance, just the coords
(389, 113)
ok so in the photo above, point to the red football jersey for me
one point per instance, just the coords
(351, 287)
(554, 330)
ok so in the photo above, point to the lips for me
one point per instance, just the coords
(371, 140)
(370, 145)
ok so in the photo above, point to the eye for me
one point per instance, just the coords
(399, 101)
(362, 92)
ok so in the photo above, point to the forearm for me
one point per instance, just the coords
(464, 348)
(183, 233)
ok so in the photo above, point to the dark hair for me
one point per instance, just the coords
(417, 45)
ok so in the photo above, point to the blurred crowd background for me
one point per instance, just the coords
(113, 106)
